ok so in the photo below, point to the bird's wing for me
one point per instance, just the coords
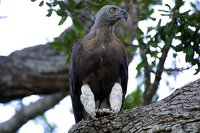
(124, 75)
(75, 84)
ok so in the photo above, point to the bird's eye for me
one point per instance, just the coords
(112, 10)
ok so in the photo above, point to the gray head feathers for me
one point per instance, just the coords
(110, 14)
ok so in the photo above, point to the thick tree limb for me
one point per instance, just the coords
(30, 112)
(34, 70)
(180, 112)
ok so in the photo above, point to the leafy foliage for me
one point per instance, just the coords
(65, 43)
(189, 37)
(182, 27)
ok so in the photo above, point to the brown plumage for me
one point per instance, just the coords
(99, 61)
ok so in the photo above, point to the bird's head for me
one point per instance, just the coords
(111, 14)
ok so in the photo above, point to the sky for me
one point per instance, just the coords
(25, 24)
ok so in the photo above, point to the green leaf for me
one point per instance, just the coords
(174, 55)
(61, 13)
(139, 31)
(139, 67)
(163, 10)
(49, 12)
(159, 23)
(55, 2)
(189, 53)
(62, 5)
(62, 20)
(41, 3)
(165, 14)
(154, 19)
(150, 29)
(194, 6)
(48, 4)
(168, 6)
(154, 53)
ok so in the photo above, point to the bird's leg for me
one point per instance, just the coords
(103, 112)
(116, 97)
(87, 99)
(104, 108)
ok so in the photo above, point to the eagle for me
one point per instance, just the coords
(98, 67)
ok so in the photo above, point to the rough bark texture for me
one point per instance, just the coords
(178, 113)
(34, 70)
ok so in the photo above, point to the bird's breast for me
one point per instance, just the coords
(102, 68)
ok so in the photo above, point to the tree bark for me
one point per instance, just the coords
(178, 113)
(34, 70)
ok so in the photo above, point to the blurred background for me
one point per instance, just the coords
(161, 37)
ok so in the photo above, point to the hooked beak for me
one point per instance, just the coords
(124, 15)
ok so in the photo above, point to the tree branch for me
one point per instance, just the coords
(160, 67)
(30, 112)
(34, 70)
(147, 72)
(177, 113)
